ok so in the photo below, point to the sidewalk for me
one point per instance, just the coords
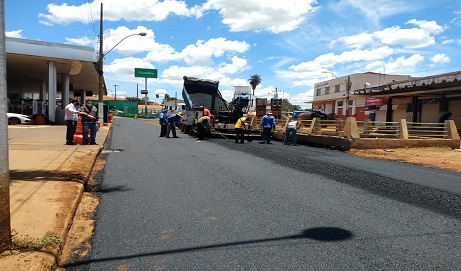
(46, 185)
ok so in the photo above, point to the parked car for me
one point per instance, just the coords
(296, 113)
(150, 116)
(115, 112)
(14, 118)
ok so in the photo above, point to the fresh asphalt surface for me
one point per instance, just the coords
(183, 204)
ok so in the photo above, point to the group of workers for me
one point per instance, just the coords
(168, 123)
(268, 124)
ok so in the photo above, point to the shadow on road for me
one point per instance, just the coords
(116, 188)
(324, 234)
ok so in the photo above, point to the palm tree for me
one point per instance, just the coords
(254, 80)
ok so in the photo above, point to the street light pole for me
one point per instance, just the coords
(115, 99)
(101, 63)
(348, 90)
(100, 72)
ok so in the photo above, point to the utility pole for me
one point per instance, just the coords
(5, 222)
(101, 72)
(348, 90)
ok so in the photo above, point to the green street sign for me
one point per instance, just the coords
(146, 73)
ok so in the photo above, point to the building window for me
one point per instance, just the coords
(337, 88)
(340, 103)
(351, 102)
(318, 92)
(327, 90)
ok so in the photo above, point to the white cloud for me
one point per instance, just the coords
(201, 52)
(14, 34)
(115, 10)
(449, 41)
(398, 66)
(239, 15)
(440, 58)
(198, 54)
(377, 9)
(123, 68)
(238, 65)
(329, 60)
(251, 15)
(422, 36)
(357, 41)
(83, 41)
(126, 41)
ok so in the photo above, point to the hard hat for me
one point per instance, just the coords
(269, 112)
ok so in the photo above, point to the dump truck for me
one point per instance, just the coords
(204, 93)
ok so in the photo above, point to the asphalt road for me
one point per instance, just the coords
(183, 204)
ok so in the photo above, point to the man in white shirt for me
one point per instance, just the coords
(71, 118)
(292, 128)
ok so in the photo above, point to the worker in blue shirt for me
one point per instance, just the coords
(163, 121)
(173, 122)
(268, 124)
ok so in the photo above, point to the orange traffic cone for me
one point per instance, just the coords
(78, 136)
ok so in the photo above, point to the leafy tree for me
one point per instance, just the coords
(254, 81)
(135, 99)
(287, 106)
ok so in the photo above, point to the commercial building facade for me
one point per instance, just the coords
(42, 77)
(333, 97)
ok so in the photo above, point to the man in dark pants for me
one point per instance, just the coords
(173, 122)
(89, 122)
(268, 124)
(240, 130)
(71, 118)
(163, 121)
(203, 126)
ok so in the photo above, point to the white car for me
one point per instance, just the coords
(14, 118)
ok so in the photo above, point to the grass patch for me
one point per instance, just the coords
(27, 242)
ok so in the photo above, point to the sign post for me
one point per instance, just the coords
(145, 73)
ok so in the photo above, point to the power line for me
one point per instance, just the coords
(88, 31)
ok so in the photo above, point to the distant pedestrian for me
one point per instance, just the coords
(89, 115)
(291, 130)
(173, 122)
(71, 118)
(203, 127)
(163, 121)
(268, 124)
(240, 130)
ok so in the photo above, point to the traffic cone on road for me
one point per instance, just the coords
(78, 136)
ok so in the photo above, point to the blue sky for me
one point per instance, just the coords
(288, 43)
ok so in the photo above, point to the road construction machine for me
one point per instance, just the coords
(199, 94)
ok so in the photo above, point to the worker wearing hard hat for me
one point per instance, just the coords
(203, 127)
(240, 129)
